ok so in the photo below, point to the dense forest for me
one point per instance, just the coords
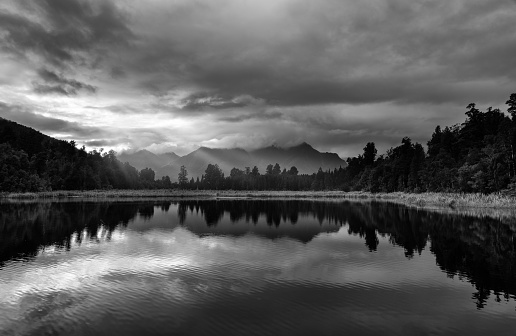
(32, 161)
(475, 156)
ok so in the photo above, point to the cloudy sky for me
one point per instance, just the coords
(177, 74)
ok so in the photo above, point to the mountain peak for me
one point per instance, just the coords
(304, 148)
(304, 144)
(138, 152)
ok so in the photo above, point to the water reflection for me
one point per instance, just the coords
(302, 251)
(481, 250)
(25, 228)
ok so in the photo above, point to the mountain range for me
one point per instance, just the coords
(304, 157)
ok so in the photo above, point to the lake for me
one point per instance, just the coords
(253, 267)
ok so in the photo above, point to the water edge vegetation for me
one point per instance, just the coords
(428, 199)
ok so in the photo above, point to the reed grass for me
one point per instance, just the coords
(449, 200)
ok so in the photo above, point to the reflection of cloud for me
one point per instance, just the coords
(142, 274)
(334, 258)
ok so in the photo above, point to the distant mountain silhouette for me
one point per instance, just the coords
(197, 161)
(304, 157)
(145, 159)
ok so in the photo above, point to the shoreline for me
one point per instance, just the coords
(423, 200)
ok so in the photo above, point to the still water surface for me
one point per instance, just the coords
(253, 267)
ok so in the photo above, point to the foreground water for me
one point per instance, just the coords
(253, 267)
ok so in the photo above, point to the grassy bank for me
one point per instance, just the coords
(451, 200)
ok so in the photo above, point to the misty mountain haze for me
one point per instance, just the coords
(304, 157)
(146, 159)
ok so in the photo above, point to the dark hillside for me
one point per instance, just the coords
(32, 161)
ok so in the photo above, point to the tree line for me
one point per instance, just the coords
(246, 179)
(478, 155)
(475, 156)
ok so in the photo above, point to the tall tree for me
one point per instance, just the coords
(147, 175)
(276, 170)
(512, 106)
(369, 154)
(269, 169)
(255, 171)
(293, 171)
(182, 177)
(213, 177)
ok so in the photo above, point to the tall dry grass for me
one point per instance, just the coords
(451, 200)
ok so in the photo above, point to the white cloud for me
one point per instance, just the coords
(336, 74)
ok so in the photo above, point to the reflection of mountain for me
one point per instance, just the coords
(290, 219)
(481, 250)
(271, 219)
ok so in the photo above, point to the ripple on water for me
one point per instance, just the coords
(311, 278)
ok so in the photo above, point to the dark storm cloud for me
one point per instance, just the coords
(62, 28)
(201, 100)
(53, 83)
(284, 53)
(63, 33)
(334, 52)
(242, 117)
(335, 73)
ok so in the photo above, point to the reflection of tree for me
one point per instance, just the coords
(480, 250)
(181, 212)
(275, 212)
(293, 217)
(402, 225)
(25, 228)
(146, 211)
(165, 206)
(371, 239)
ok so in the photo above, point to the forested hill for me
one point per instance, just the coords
(478, 155)
(32, 161)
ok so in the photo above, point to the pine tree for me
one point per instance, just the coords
(182, 177)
